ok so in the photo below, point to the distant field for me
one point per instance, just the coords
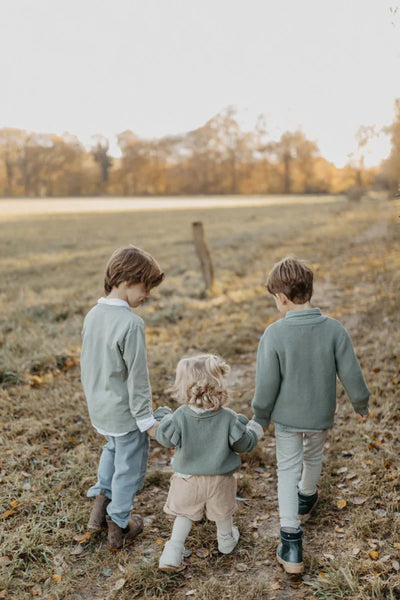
(51, 272)
(16, 207)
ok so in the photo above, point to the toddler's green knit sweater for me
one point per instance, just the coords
(206, 443)
(298, 360)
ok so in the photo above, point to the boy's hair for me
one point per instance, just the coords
(200, 381)
(292, 277)
(133, 265)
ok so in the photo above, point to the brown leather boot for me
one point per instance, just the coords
(119, 537)
(97, 519)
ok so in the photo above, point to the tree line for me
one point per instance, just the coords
(217, 158)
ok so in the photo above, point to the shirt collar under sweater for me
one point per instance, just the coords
(113, 302)
(304, 316)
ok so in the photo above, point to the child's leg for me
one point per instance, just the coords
(172, 554)
(181, 529)
(131, 452)
(105, 471)
(227, 535)
(224, 527)
(313, 449)
(289, 454)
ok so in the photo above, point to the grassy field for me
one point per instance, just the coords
(51, 274)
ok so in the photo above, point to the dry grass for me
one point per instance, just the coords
(51, 273)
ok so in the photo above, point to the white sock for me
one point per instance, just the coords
(181, 529)
(225, 527)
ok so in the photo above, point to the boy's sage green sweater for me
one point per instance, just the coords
(206, 443)
(298, 360)
(114, 371)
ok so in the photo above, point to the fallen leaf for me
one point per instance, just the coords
(85, 537)
(397, 545)
(78, 550)
(241, 567)
(36, 590)
(106, 572)
(14, 503)
(190, 592)
(329, 556)
(119, 584)
(36, 380)
(342, 470)
(276, 586)
(355, 551)
(358, 500)
(4, 561)
(7, 514)
(396, 565)
(373, 554)
(202, 552)
(3, 594)
(341, 503)
(56, 577)
(339, 529)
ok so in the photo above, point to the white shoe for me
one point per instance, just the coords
(226, 543)
(171, 557)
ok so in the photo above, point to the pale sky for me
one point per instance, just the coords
(161, 67)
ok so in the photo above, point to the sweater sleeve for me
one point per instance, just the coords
(168, 432)
(268, 380)
(350, 374)
(135, 358)
(242, 439)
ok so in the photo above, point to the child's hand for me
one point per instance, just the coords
(152, 431)
(362, 418)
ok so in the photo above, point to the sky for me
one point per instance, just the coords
(159, 67)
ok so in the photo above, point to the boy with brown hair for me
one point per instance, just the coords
(298, 360)
(116, 384)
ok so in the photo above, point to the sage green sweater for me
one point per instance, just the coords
(298, 360)
(114, 371)
(206, 443)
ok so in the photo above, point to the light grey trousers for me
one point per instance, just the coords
(121, 472)
(299, 462)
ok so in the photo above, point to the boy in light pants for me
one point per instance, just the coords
(298, 360)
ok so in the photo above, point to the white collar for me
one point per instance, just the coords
(113, 302)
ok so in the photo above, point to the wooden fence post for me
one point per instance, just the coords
(203, 253)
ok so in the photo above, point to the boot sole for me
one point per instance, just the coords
(289, 567)
(171, 569)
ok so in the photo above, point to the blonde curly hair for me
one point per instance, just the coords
(201, 381)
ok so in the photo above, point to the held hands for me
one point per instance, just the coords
(152, 431)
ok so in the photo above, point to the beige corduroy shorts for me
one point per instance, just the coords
(214, 495)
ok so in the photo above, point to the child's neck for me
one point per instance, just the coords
(292, 306)
(289, 305)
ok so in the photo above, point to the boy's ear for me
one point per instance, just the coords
(282, 297)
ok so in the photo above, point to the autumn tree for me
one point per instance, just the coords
(296, 156)
(101, 156)
(391, 166)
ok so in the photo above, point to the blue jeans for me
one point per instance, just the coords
(121, 472)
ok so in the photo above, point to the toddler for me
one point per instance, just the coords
(207, 438)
